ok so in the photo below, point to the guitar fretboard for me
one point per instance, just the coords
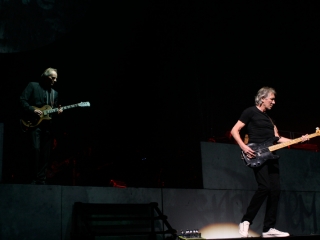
(294, 141)
(57, 109)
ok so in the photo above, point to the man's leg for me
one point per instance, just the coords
(261, 175)
(272, 203)
(35, 153)
(273, 198)
(46, 146)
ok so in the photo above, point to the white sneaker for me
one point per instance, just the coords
(274, 233)
(244, 228)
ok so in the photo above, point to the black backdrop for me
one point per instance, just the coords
(161, 76)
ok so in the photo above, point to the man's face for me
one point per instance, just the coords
(52, 78)
(269, 101)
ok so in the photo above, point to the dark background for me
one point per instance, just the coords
(161, 76)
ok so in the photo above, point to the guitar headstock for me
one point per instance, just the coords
(317, 130)
(84, 104)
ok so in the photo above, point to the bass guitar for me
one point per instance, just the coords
(264, 150)
(34, 120)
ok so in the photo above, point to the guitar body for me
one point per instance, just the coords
(33, 120)
(262, 153)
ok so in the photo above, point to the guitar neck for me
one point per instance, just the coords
(293, 141)
(63, 108)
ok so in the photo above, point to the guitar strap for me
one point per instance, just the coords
(51, 97)
(270, 119)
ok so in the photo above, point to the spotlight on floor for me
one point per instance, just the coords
(223, 230)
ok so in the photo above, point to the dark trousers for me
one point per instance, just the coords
(268, 179)
(41, 143)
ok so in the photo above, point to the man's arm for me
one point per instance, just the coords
(236, 135)
(283, 139)
(24, 99)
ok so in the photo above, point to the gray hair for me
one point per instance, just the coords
(48, 72)
(263, 93)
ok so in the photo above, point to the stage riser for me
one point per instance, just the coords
(45, 212)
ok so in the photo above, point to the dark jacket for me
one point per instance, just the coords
(36, 95)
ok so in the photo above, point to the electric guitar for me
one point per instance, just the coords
(33, 120)
(264, 150)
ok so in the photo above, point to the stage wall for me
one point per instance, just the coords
(45, 212)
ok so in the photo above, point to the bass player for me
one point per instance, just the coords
(260, 128)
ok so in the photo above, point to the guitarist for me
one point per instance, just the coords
(38, 94)
(260, 128)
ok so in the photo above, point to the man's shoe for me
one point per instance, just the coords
(244, 228)
(275, 233)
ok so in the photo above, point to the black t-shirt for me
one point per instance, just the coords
(259, 125)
